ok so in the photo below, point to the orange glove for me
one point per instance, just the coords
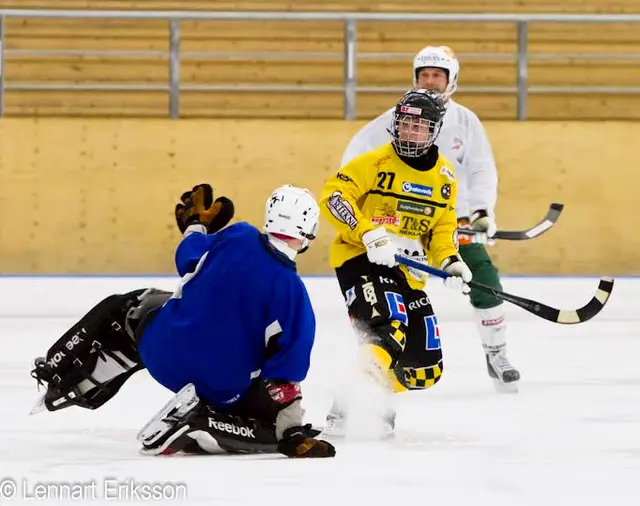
(464, 239)
(297, 444)
(197, 206)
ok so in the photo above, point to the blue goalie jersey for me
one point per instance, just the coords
(240, 312)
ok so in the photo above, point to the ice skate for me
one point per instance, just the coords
(360, 424)
(165, 433)
(335, 423)
(492, 327)
(505, 376)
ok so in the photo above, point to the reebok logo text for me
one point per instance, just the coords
(231, 429)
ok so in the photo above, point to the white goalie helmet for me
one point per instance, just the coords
(441, 57)
(292, 212)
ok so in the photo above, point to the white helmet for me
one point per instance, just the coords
(441, 57)
(292, 212)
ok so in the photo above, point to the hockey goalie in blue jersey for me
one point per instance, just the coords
(233, 341)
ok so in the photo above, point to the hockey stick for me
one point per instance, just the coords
(549, 220)
(563, 316)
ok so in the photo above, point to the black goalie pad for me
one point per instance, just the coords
(188, 424)
(250, 424)
(234, 434)
(87, 366)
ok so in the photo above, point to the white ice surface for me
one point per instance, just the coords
(570, 436)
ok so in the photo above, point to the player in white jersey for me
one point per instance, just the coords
(464, 143)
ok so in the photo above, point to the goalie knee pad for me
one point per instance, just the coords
(87, 366)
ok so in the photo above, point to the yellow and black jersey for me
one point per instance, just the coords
(378, 189)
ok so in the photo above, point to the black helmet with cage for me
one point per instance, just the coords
(416, 122)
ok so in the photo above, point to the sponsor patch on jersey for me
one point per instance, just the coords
(413, 208)
(418, 256)
(417, 304)
(446, 171)
(386, 220)
(445, 191)
(369, 293)
(350, 296)
(342, 210)
(414, 227)
(343, 177)
(417, 189)
(385, 215)
(433, 333)
(397, 308)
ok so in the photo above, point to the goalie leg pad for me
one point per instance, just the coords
(87, 366)
(187, 423)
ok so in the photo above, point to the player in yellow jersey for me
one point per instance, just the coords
(398, 198)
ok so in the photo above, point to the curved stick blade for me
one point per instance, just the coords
(592, 308)
(555, 209)
(562, 316)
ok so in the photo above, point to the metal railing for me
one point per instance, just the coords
(349, 88)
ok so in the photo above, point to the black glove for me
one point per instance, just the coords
(197, 206)
(296, 443)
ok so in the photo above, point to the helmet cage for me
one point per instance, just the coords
(412, 134)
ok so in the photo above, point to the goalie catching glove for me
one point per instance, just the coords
(197, 207)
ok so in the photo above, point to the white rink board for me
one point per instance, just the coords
(570, 436)
(70, 296)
